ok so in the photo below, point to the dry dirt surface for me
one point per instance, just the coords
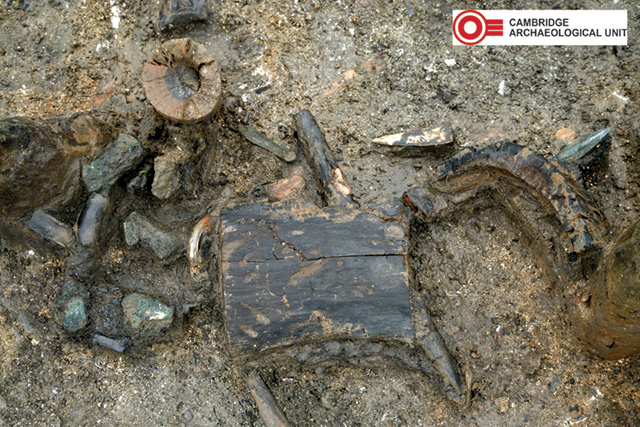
(365, 68)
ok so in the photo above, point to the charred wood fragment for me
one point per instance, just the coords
(608, 317)
(430, 340)
(270, 412)
(441, 135)
(333, 186)
(418, 201)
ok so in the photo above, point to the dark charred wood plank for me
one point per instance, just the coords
(279, 302)
(341, 273)
(312, 232)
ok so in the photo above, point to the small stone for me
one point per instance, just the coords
(71, 311)
(503, 89)
(50, 228)
(106, 342)
(166, 178)
(181, 12)
(144, 315)
(117, 159)
(139, 182)
(27, 323)
(91, 219)
(502, 404)
(138, 229)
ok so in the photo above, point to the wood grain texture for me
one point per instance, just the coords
(295, 273)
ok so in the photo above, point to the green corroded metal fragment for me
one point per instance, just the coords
(144, 315)
(255, 137)
(71, 307)
(580, 148)
(75, 315)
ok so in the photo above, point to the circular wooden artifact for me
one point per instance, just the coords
(182, 81)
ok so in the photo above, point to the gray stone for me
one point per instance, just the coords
(138, 229)
(118, 158)
(166, 178)
(144, 315)
(71, 303)
(139, 182)
(27, 323)
(91, 219)
(106, 342)
(50, 228)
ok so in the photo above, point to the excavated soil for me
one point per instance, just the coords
(365, 68)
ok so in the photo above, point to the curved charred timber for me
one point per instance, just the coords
(576, 209)
(608, 317)
(535, 227)
(333, 186)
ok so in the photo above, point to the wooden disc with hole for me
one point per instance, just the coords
(182, 81)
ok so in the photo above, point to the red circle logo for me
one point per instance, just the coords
(470, 27)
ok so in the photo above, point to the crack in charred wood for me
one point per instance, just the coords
(289, 245)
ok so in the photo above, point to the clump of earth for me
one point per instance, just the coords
(364, 69)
